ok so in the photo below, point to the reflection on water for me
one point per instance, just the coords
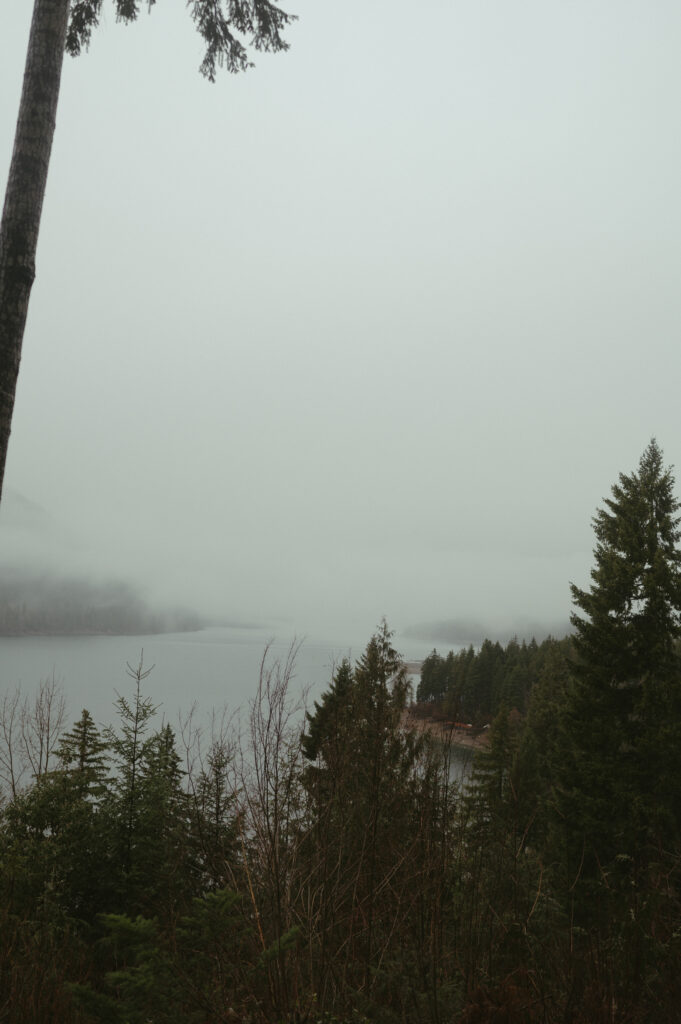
(460, 762)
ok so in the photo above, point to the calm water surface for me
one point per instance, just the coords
(213, 668)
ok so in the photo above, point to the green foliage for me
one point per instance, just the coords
(613, 790)
(82, 752)
(326, 725)
(632, 611)
(542, 734)
(54, 829)
(128, 745)
(142, 986)
(497, 829)
(282, 945)
(196, 971)
(146, 809)
(434, 681)
(215, 954)
(212, 818)
(363, 884)
(472, 687)
(378, 807)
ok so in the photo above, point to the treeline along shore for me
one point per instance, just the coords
(422, 719)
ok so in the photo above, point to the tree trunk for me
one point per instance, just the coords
(24, 195)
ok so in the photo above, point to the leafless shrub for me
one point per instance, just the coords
(42, 720)
(267, 783)
(30, 728)
(12, 767)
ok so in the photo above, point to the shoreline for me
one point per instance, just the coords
(446, 732)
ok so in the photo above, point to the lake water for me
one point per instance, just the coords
(213, 668)
(460, 762)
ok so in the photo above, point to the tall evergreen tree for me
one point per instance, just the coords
(496, 825)
(326, 724)
(372, 796)
(626, 676)
(129, 748)
(82, 752)
(433, 683)
(213, 817)
(632, 613)
(165, 872)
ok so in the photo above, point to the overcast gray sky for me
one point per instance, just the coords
(369, 330)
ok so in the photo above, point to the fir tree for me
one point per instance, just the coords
(125, 808)
(326, 723)
(82, 753)
(213, 817)
(368, 790)
(433, 682)
(615, 739)
(632, 612)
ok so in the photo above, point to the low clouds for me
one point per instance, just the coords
(51, 605)
(395, 376)
(462, 633)
(44, 591)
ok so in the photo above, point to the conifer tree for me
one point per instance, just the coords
(626, 677)
(496, 823)
(376, 810)
(325, 725)
(213, 817)
(55, 827)
(82, 752)
(164, 870)
(83, 779)
(433, 682)
(128, 749)
(632, 613)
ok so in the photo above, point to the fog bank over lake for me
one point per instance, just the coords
(334, 595)
(329, 341)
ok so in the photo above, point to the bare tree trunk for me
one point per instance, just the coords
(25, 192)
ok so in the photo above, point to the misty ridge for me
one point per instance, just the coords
(40, 598)
(464, 632)
(43, 604)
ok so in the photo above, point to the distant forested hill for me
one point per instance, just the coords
(35, 605)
